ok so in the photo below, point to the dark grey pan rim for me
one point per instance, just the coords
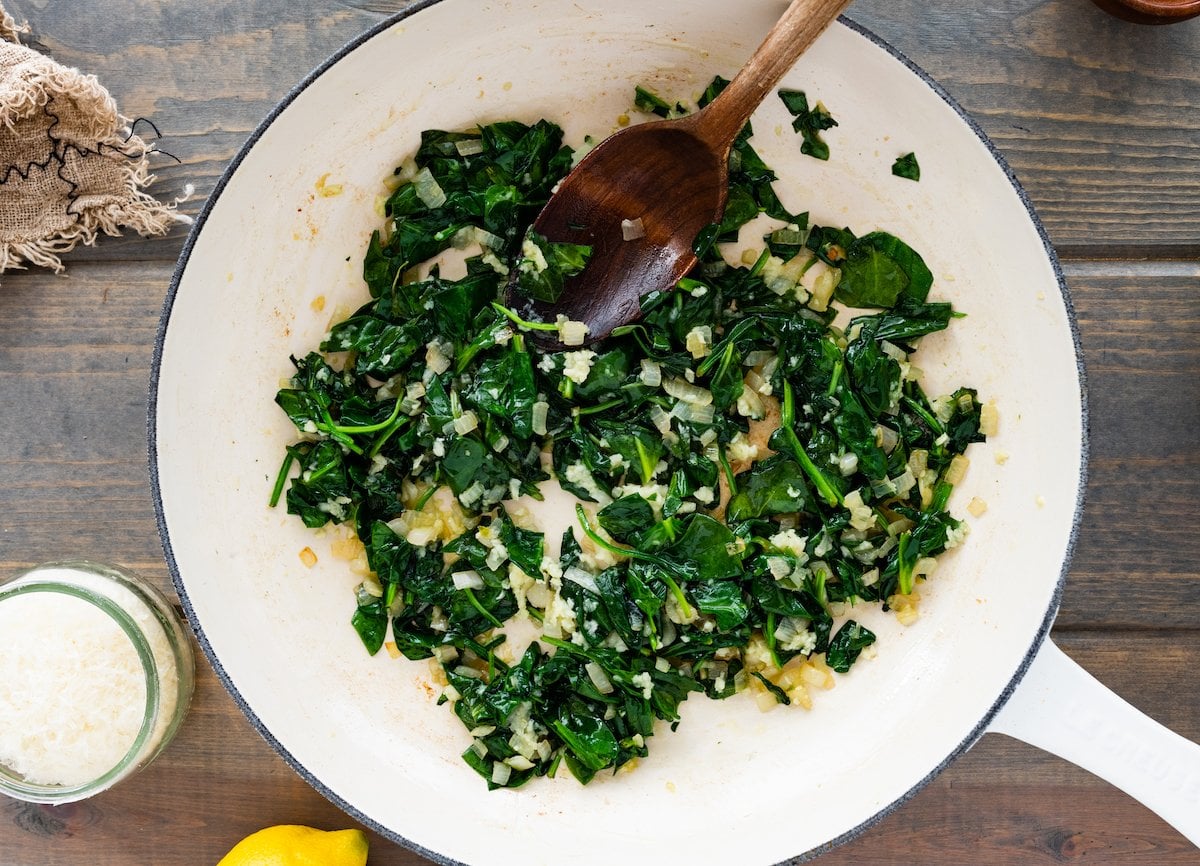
(152, 430)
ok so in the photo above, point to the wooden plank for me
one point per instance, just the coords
(1140, 331)
(1003, 802)
(1099, 118)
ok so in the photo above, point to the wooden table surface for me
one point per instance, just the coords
(1099, 119)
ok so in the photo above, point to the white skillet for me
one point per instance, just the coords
(733, 784)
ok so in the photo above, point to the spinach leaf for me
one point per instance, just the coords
(870, 278)
(908, 320)
(627, 518)
(846, 646)
(809, 122)
(468, 462)
(774, 486)
(776, 692)
(711, 546)
(525, 546)
(874, 375)
(650, 102)
(919, 277)
(590, 741)
(370, 621)
(322, 492)
(906, 166)
(545, 265)
(380, 347)
(723, 600)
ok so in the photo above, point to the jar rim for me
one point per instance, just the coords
(28, 584)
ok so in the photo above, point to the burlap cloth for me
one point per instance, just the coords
(70, 166)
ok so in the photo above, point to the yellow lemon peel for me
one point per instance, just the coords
(295, 845)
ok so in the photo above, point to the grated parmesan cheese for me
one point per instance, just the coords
(73, 689)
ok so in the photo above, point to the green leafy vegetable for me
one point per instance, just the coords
(846, 646)
(754, 469)
(545, 265)
(809, 122)
(906, 166)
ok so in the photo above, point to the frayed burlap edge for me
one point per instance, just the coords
(139, 210)
(10, 30)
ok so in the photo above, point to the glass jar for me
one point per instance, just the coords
(96, 675)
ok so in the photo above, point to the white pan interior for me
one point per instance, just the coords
(733, 784)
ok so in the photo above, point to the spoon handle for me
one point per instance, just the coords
(798, 28)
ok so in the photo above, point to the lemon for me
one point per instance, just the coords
(293, 845)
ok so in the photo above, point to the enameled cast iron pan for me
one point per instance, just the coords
(734, 784)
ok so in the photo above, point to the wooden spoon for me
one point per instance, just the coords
(672, 175)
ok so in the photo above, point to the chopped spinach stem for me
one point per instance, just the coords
(836, 377)
(382, 438)
(601, 407)
(419, 505)
(686, 578)
(281, 478)
(523, 323)
(340, 436)
(372, 428)
(769, 637)
(824, 486)
(934, 424)
(730, 478)
(483, 611)
(634, 553)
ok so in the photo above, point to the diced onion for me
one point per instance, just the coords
(500, 773)
(957, 469)
(651, 374)
(428, 190)
(904, 482)
(571, 333)
(469, 146)
(466, 422)
(660, 419)
(886, 438)
(631, 230)
(699, 341)
(989, 419)
(883, 489)
(599, 678)
(789, 237)
(581, 577)
(467, 580)
(687, 392)
(538, 422)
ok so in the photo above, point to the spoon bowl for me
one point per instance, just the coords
(669, 179)
(674, 188)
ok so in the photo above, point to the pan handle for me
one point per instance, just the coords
(1060, 707)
